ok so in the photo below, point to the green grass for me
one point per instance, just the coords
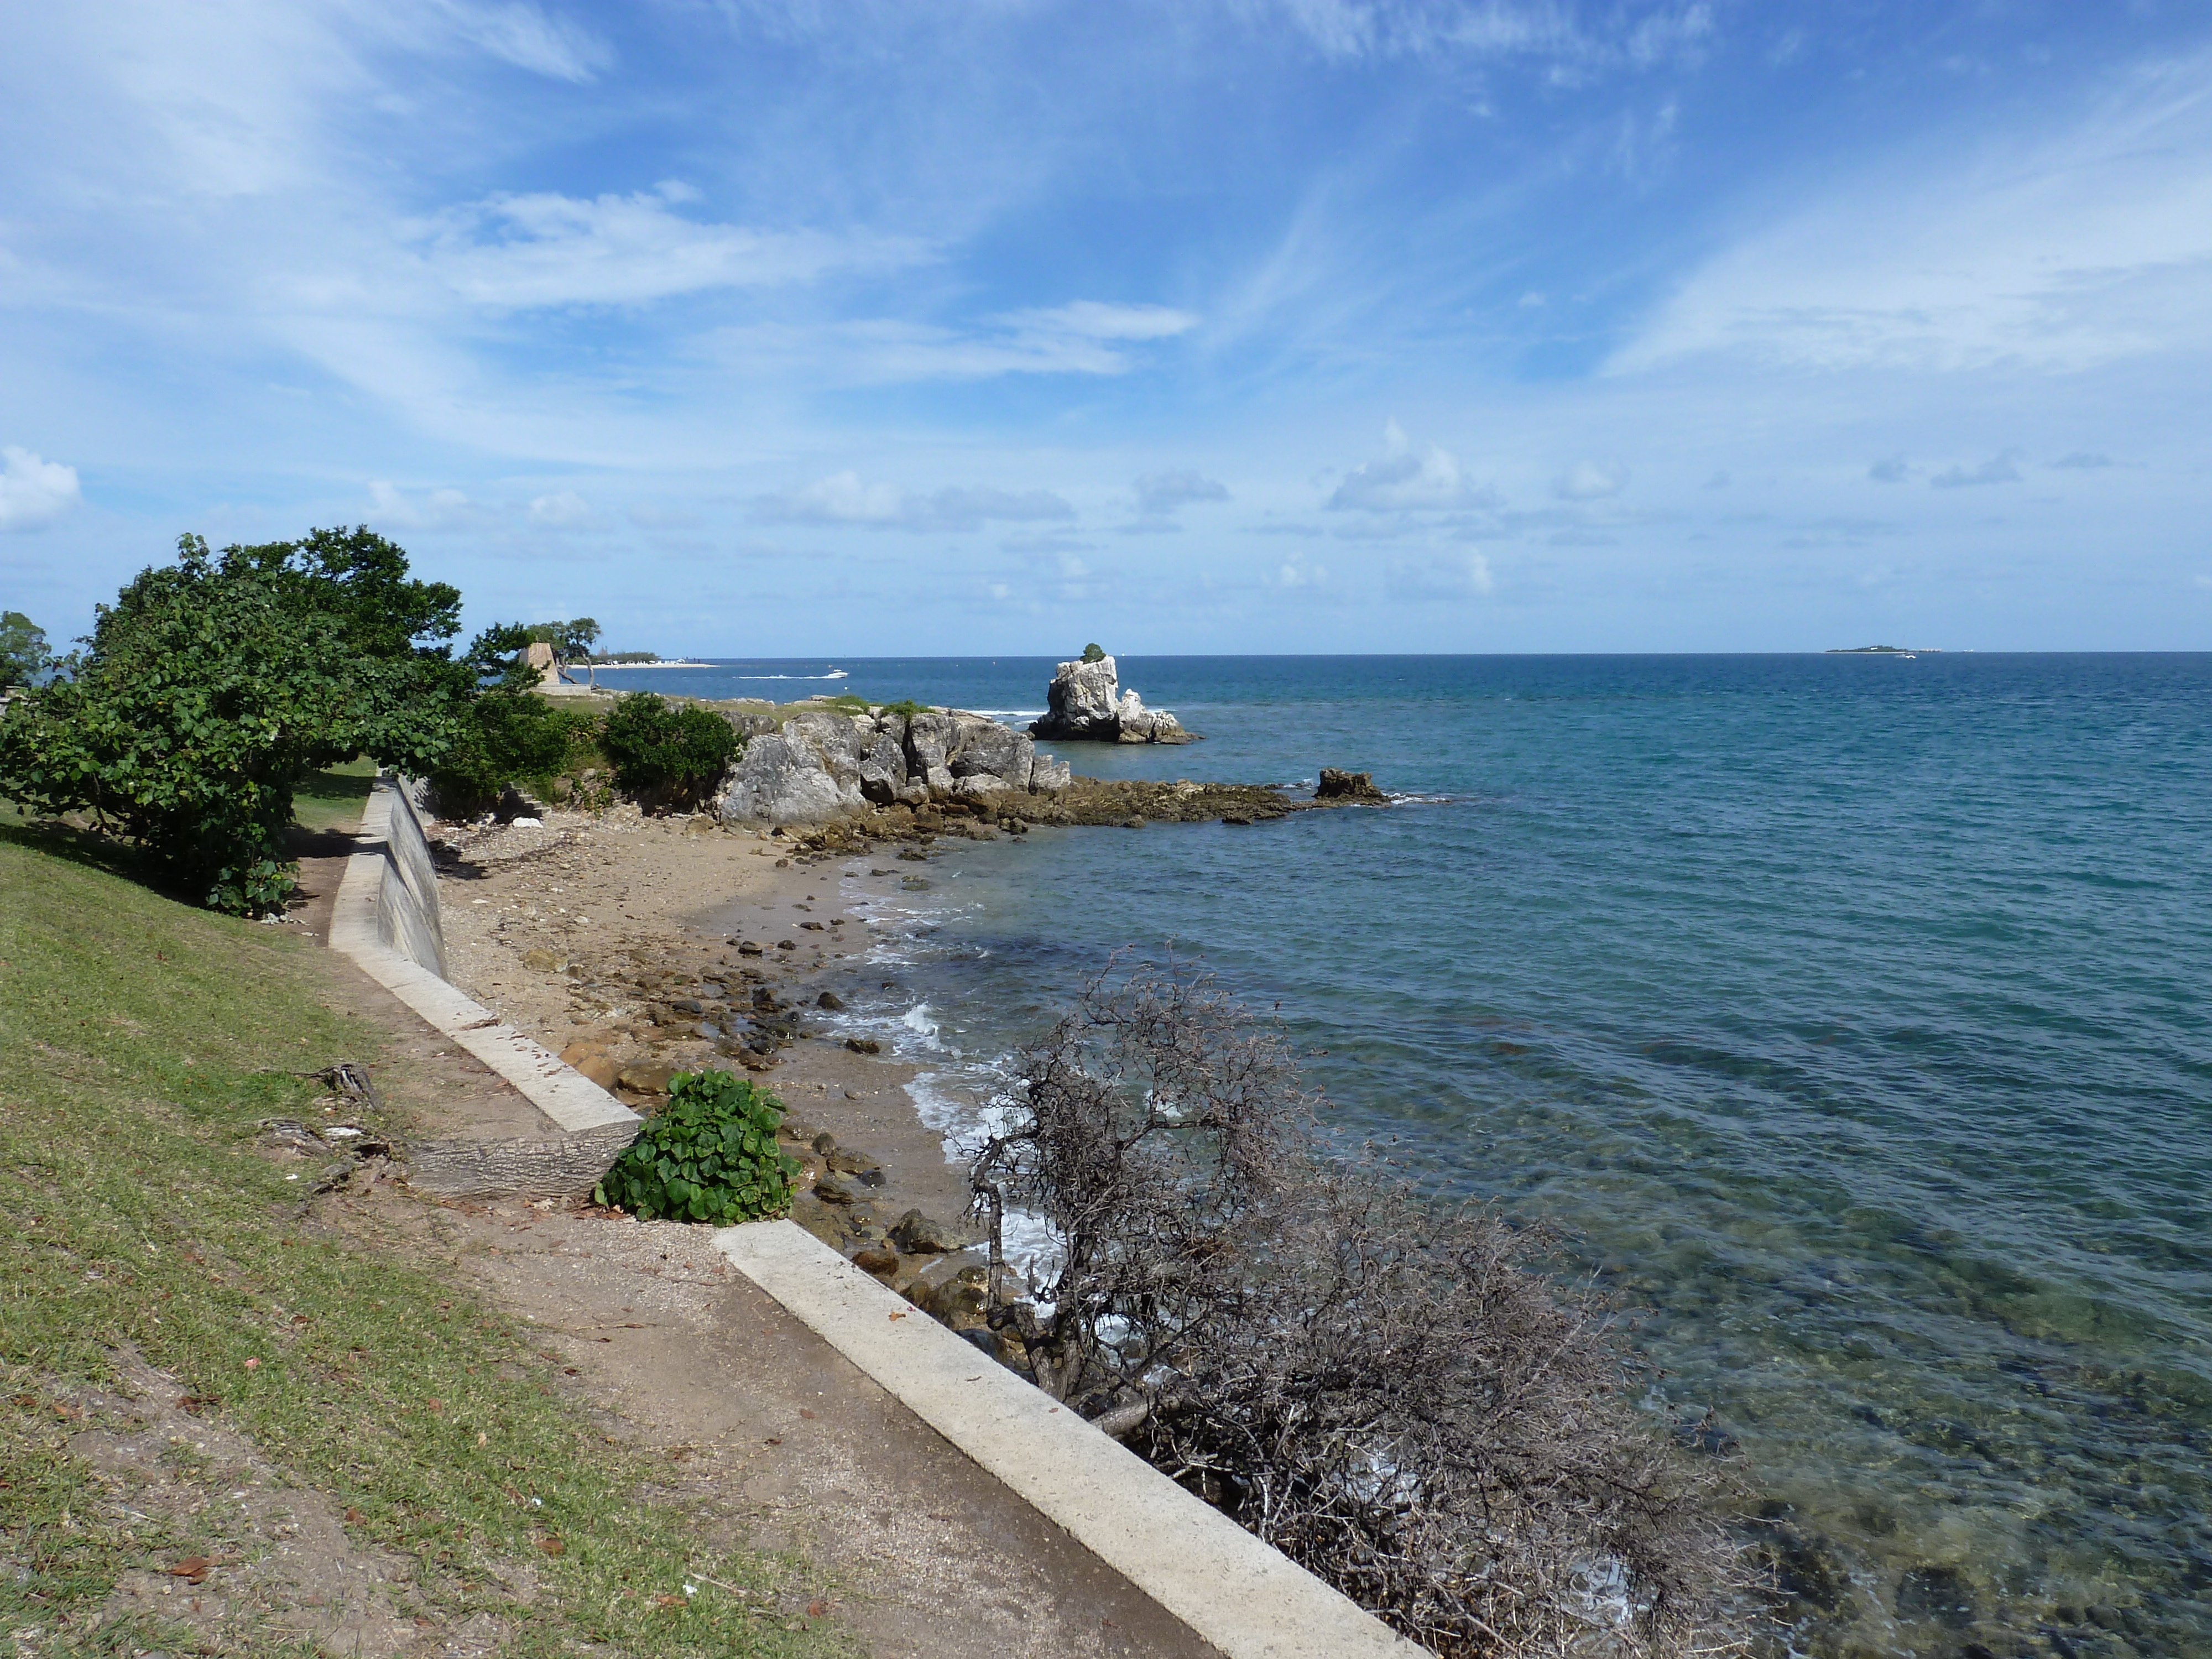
(140, 1042)
(333, 799)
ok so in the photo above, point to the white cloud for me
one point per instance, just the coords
(1891, 469)
(1405, 479)
(440, 509)
(560, 510)
(2056, 254)
(1591, 481)
(1998, 469)
(34, 492)
(842, 499)
(1162, 493)
(517, 252)
(2083, 460)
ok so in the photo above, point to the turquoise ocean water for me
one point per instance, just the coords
(1849, 1011)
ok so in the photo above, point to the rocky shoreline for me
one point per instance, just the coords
(577, 929)
(656, 985)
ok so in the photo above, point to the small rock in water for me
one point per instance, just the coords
(749, 949)
(1132, 824)
(876, 1259)
(916, 1234)
(1348, 786)
(786, 945)
(830, 1000)
(864, 1045)
(810, 927)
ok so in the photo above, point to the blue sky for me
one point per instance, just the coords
(920, 328)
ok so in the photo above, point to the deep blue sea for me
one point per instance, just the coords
(1849, 1012)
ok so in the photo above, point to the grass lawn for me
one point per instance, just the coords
(333, 799)
(141, 1044)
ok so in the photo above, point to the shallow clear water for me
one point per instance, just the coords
(1849, 1011)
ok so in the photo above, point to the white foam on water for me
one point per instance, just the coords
(917, 1019)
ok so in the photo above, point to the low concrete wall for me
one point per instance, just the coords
(386, 919)
(1248, 1599)
(407, 900)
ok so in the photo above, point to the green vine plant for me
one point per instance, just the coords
(709, 1155)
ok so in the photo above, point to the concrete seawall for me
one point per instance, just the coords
(386, 919)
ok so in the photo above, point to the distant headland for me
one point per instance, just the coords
(1884, 650)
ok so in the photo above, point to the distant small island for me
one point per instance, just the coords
(1883, 650)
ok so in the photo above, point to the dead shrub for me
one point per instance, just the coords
(1392, 1394)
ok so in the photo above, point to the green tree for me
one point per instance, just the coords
(211, 687)
(22, 648)
(1093, 653)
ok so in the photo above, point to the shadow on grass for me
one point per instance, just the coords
(58, 840)
(303, 842)
(336, 785)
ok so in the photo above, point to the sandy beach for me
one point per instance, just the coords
(586, 931)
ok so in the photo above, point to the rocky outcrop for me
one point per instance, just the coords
(1086, 704)
(1349, 787)
(826, 763)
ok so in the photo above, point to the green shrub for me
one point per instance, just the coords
(1093, 653)
(510, 737)
(656, 748)
(847, 702)
(905, 708)
(710, 1154)
(211, 688)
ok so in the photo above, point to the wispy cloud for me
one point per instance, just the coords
(1591, 481)
(1997, 469)
(2090, 246)
(1639, 36)
(1083, 338)
(844, 499)
(443, 508)
(561, 510)
(543, 249)
(1159, 494)
(525, 36)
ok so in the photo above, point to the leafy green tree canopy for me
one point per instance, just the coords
(1093, 653)
(22, 648)
(211, 687)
